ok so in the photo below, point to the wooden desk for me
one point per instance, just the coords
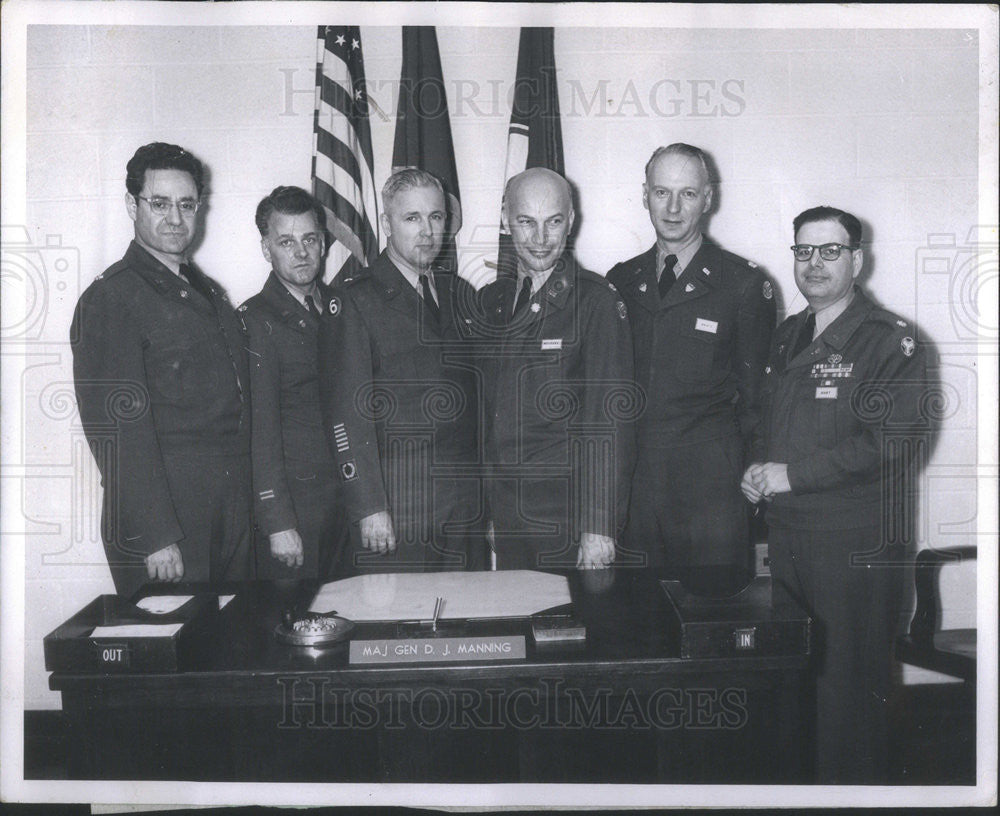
(622, 708)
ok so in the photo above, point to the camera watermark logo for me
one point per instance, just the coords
(33, 277)
(964, 274)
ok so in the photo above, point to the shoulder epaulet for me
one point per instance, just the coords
(351, 280)
(112, 270)
(737, 260)
(894, 321)
(585, 275)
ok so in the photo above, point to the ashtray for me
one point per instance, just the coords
(313, 629)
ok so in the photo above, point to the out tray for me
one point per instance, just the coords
(71, 647)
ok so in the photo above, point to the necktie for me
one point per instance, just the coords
(198, 283)
(805, 336)
(425, 287)
(667, 276)
(311, 305)
(523, 296)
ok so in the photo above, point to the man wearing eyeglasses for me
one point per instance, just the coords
(834, 460)
(161, 380)
(701, 321)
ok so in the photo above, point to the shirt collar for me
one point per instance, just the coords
(411, 273)
(684, 256)
(538, 279)
(299, 296)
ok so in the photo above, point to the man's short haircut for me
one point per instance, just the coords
(161, 156)
(825, 213)
(681, 149)
(290, 201)
(408, 178)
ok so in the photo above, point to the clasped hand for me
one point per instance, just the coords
(762, 480)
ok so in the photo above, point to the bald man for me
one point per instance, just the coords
(559, 392)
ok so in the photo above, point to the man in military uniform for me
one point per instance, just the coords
(295, 482)
(835, 458)
(701, 322)
(161, 380)
(559, 392)
(399, 395)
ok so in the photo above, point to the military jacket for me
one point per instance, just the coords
(847, 415)
(398, 391)
(561, 400)
(284, 384)
(158, 371)
(700, 352)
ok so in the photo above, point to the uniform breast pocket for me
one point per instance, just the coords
(813, 416)
(180, 365)
(695, 351)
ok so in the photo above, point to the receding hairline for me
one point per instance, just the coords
(689, 152)
(538, 174)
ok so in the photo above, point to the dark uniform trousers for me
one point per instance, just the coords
(295, 476)
(699, 358)
(851, 416)
(561, 403)
(161, 380)
(400, 401)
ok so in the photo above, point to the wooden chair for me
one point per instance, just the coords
(949, 651)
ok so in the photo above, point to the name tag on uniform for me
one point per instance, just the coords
(828, 392)
(555, 343)
(711, 326)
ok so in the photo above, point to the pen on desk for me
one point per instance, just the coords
(437, 611)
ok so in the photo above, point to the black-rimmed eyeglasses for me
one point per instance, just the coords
(161, 206)
(828, 252)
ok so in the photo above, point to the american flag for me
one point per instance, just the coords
(342, 163)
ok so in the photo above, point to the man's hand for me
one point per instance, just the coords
(165, 564)
(596, 551)
(286, 546)
(749, 486)
(769, 478)
(377, 534)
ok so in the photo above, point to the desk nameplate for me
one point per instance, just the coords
(436, 650)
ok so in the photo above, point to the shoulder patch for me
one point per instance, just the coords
(908, 346)
(333, 307)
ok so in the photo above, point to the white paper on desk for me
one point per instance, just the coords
(411, 596)
(137, 630)
(163, 604)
